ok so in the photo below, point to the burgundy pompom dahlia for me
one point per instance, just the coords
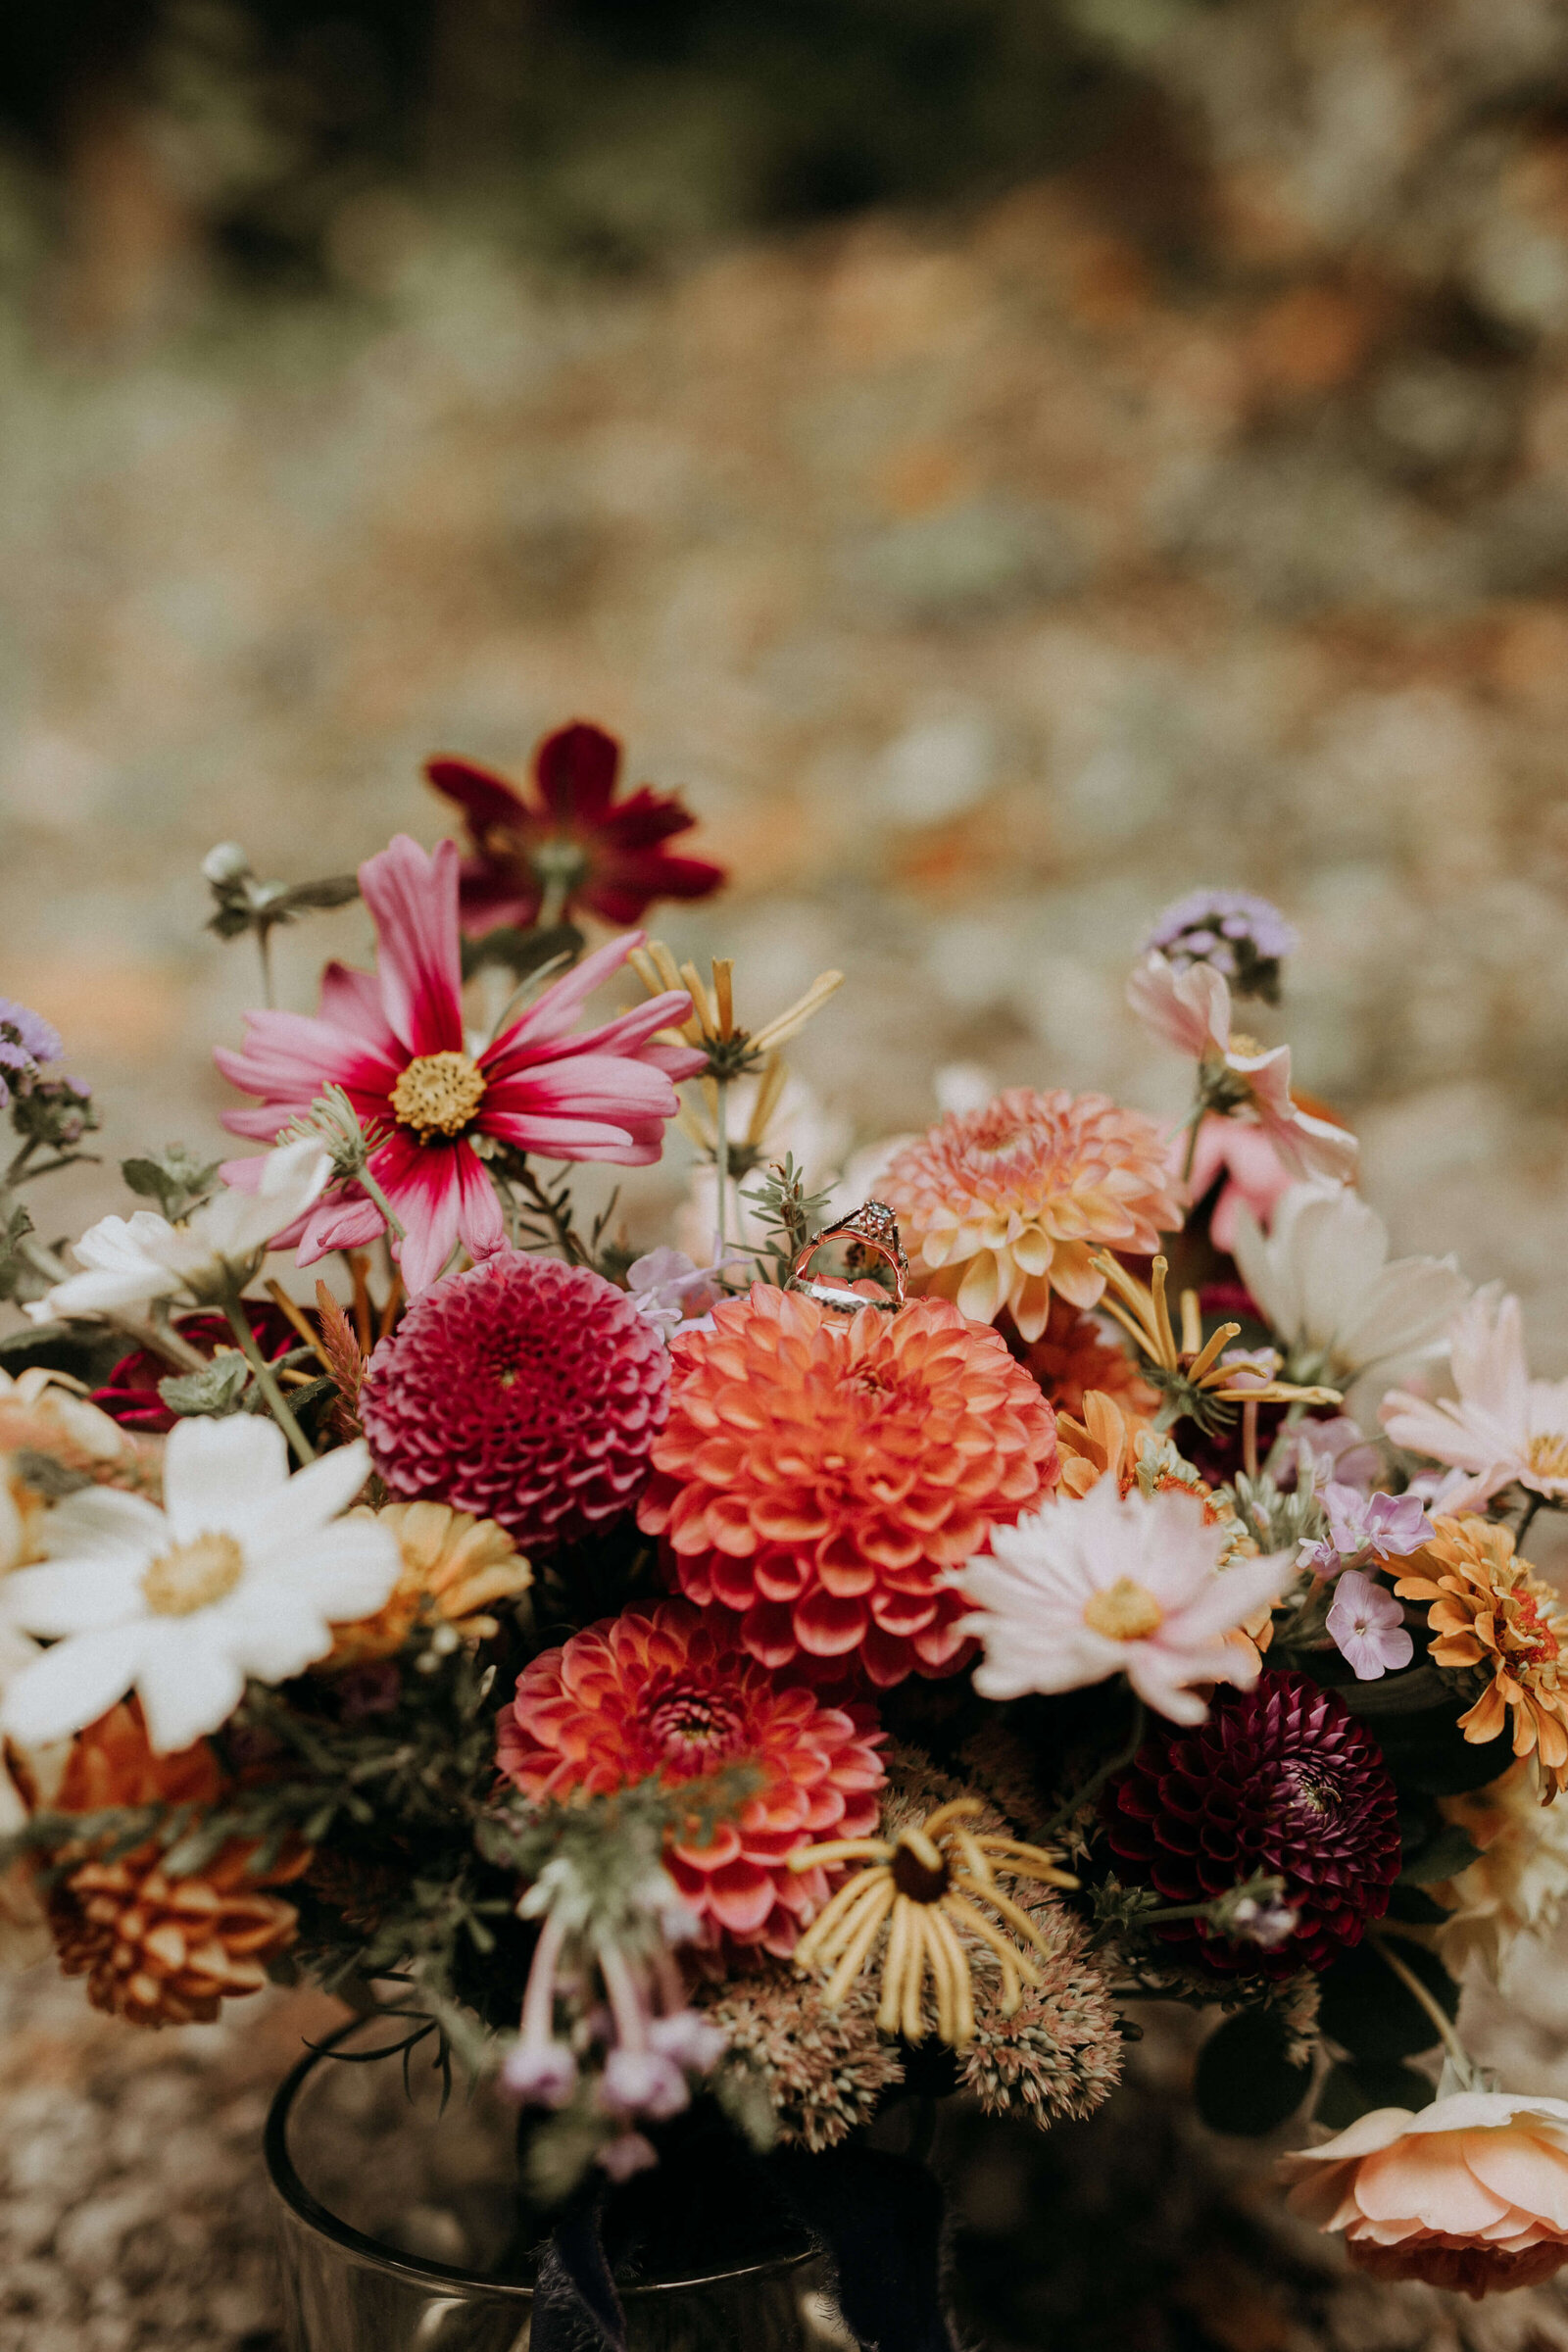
(1281, 1778)
(524, 1391)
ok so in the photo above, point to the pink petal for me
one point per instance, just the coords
(347, 1222)
(552, 1013)
(352, 1000)
(412, 899)
(289, 1057)
(425, 1184)
(480, 1222)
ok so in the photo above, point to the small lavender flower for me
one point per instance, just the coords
(539, 2074)
(1378, 1527)
(1267, 1924)
(27, 1042)
(1334, 1450)
(1368, 1626)
(688, 2039)
(641, 2083)
(1242, 936)
(628, 2154)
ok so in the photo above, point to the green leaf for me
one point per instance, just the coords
(1245, 2083)
(333, 890)
(1443, 1856)
(1396, 1694)
(174, 1178)
(15, 1227)
(1366, 2010)
(1352, 2090)
(520, 952)
(215, 1392)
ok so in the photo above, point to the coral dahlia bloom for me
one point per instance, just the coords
(1003, 1205)
(395, 1044)
(570, 844)
(666, 1691)
(821, 1476)
(1072, 1356)
(524, 1391)
(1491, 1612)
(1469, 2194)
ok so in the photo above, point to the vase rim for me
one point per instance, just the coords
(292, 2191)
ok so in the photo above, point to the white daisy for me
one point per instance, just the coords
(244, 1572)
(126, 1261)
(1117, 1583)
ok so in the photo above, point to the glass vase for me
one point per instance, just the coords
(396, 2207)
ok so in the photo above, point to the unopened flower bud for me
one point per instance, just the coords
(643, 2082)
(687, 2040)
(539, 2074)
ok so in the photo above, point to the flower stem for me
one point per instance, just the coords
(369, 1183)
(721, 1160)
(1527, 1518)
(266, 1381)
(1462, 2064)
(1191, 1152)
(263, 950)
(1092, 1787)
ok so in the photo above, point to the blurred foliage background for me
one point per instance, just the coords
(1004, 459)
(1006, 462)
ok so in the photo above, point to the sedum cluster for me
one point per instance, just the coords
(733, 1690)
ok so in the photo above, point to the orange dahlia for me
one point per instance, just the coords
(1072, 1356)
(158, 1949)
(663, 1691)
(1491, 1612)
(1002, 1206)
(820, 1475)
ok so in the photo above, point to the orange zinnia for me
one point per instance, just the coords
(1491, 1612)
(1001, 1207)
(820, 1475)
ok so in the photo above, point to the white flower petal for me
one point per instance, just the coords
(345, 1571)
(70, 1685)
(102, 1521)
(272, 1634)
(67, 1596)
(293, 1513)
(218, 1476)
(187, 1683)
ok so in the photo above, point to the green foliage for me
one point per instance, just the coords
(16, 1275)
(216, 1392)
(1366, 2010)
(175, 1178)
(242, 903)
(1246, 2083)
(523, 954)
(1357, 2087)
(789, 1213)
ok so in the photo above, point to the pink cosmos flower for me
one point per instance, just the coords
(394, 1042)
(1255, 1176)
(1368, 1626)
(1191, 1012)
(1502, 1426)
(1117, 1583)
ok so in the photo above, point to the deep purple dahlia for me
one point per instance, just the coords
(522, 1391)
(1282, 1777)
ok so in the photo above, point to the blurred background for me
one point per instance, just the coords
(1004, 460)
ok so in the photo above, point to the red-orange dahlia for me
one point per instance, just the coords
(663, 1691)
(1001, 1207)
(820, 1475)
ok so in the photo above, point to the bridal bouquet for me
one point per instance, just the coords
(865, 1653)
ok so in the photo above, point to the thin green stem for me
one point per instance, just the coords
(561, 1224)
(1191, 1152)
(1527, 1518)
(266, 1381)
(1092, 1787)
(20, 1162)
(1462, 2064)
(367, 1184)
(47, 1167)
(721, 1160)
(263, 950)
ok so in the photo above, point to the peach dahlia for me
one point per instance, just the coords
(1002, 1206)
(663, 1691)
(820, 1476)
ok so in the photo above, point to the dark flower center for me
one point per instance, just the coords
(1310, 1785)
(695, 1728)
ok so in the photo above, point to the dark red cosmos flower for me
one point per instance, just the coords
(129, 1396)
(1281, 1778)
(571, 844)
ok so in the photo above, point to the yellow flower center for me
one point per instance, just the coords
(1548, 1455)
(192, 1576)
(439, 1094)
(1241, 1043)
(1124, 1612)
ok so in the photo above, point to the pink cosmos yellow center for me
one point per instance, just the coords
(1125, 1611)
(439, 1094)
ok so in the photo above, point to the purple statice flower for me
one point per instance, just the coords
(1335, 1451)
(1377, 1527)
(27, 1042)
(1240, 935)
(1368, 1626)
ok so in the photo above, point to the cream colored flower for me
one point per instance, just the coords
(1516, 1886)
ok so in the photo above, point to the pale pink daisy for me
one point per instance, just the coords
(1502, 1426)
(1114, 1584)
(1191, 1012)
(394, 1042)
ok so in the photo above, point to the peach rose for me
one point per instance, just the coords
(1472, 2193)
